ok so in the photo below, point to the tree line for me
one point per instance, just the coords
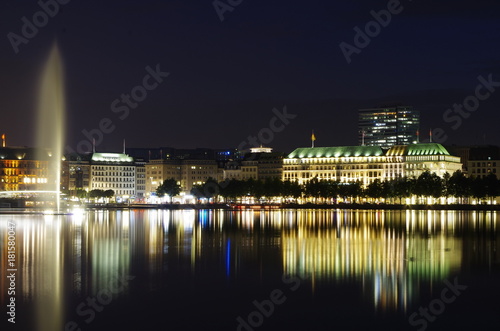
(427, 185)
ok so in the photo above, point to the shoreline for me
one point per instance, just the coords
(260, 207)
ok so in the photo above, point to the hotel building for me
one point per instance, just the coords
(367, 163)
(113, 171)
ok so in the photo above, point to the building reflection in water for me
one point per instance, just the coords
(40, 263)
(391, 255)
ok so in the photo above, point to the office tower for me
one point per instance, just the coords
(388, 126)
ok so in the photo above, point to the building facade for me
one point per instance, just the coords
(417, 158)
(24, 169)
(483, 160)
(367, 163)
(140, 175)
(388, 126)
(345, 164)
(77, 174)
(113, 171)
(187, 173)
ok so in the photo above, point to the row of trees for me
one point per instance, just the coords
(426, 185)
(232, 190)
(93, 194)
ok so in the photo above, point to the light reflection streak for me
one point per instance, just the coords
(390, 254)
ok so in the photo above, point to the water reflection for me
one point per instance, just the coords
(390, 255)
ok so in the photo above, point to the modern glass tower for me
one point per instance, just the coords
(388, 126)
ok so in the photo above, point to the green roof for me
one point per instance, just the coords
(343, 151)
(417, 149)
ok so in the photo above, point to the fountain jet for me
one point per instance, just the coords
(51, 119)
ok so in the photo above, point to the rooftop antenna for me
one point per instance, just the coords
(313, 138)
(430, 135)
(362, 137)
(4, 144)
(93, 145)
(123, 146)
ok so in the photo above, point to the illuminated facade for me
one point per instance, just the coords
(261, 163)
(21, 170)
(388, 126)
(113, 171)
(418, 158)
(187, 173)
(78, 172)
(344, 164)
(367, 163)
(140, 171)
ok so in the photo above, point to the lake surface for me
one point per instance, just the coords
(253, 270)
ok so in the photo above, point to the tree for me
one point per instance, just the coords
(350, 190)
(232, 189)
(446, 185)
(209, 189)
(429, 184)
(96, 193)
(459, 186)
(313, 188)
(81, 194)
(291, 190)
(477, 188)
(168, 187)
(491, 185)
(375, 189)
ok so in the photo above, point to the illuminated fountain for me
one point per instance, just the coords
(51, 118)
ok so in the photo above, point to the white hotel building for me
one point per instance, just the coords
(113, 171)
(367, 163)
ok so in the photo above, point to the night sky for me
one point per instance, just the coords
(226, 77)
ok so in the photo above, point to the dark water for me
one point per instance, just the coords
(253, 270)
